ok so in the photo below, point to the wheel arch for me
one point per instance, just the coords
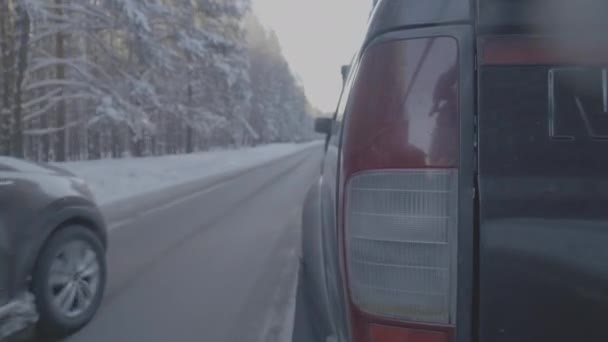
(57, 216)
(315, 228)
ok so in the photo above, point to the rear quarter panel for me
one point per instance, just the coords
(321, 272)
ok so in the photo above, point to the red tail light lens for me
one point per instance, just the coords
(399, 191)
(383, 333)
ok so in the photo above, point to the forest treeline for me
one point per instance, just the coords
(90, 79)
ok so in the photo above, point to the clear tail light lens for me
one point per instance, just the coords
(401, 243)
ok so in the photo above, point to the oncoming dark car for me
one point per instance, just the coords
(52, 249)
(464, 190)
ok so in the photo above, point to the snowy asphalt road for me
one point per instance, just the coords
(217, 264)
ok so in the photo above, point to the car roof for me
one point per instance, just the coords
(389, 15)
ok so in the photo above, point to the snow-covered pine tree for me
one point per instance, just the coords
(108, 78)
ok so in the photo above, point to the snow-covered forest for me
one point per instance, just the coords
(90, 79)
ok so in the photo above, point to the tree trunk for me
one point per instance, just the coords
(60, 145)
(24, 25)
(114, 141)
(46, 143)
(7, 63)
(189, 133)
(136, 143)
(94, 144)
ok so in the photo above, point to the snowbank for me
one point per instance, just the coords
(115, 179)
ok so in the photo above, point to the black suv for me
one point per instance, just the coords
(464, 190)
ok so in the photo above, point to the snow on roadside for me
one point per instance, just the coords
(114, 179)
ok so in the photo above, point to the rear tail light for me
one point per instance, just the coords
(400, 192)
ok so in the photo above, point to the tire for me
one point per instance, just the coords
(68, 292)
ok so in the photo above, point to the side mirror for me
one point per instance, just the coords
(324, 125)
(345, 70)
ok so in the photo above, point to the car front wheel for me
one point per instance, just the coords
(69, 280)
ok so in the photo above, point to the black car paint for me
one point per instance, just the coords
(391, 15)
(313, 254)
(543, 213)
(320, 282)
(539, 236)
(321, 306)
(33, 204)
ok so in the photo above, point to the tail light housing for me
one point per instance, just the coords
(399, 191)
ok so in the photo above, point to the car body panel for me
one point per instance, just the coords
(314, 255)
(543, 186)
(580, 18)
(320, 303)
(320, 296)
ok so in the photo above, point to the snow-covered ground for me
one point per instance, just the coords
(115, 179)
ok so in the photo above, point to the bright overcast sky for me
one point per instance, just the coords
(317, 37)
